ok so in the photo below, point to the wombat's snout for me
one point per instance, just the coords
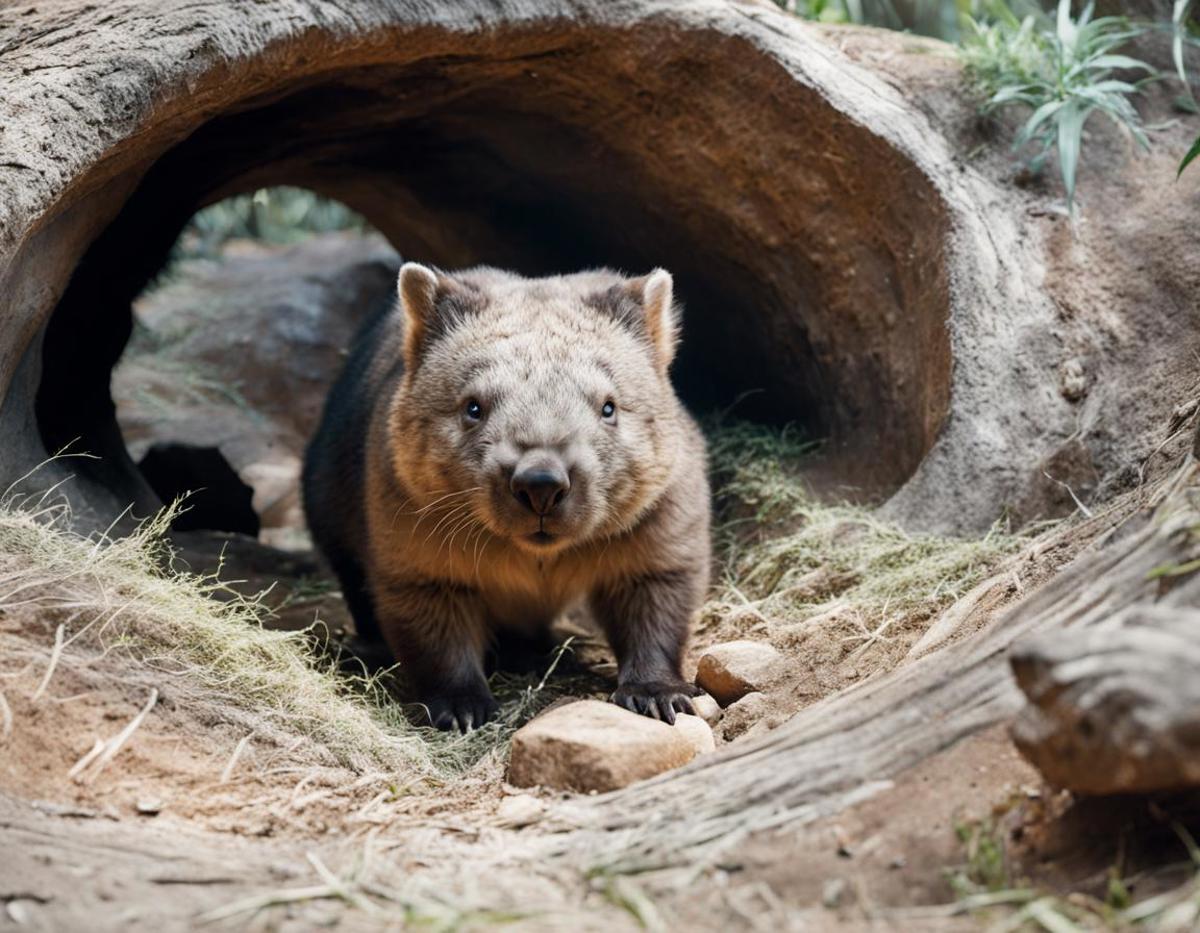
(540, 485)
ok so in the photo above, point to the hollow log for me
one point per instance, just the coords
(842, 266)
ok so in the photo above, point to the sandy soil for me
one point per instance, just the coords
(181, 826)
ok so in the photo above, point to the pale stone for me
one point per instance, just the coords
(697, 731)
(594, 746)
(731, 670)
(741, 717)
(707, 708)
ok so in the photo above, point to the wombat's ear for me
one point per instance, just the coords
(431, 302)
(656, 295)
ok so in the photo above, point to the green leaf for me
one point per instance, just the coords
(1191, 154)
(1070, 136)
(1118, 61)
(1173, 570)
(1040, 116)
(1178, 21)
(1064, 27)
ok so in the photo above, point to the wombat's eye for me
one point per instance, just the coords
(473, 411)
(609, 410)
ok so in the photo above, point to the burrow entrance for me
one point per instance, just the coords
(809, 253)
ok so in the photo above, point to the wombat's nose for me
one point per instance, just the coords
(540, 488)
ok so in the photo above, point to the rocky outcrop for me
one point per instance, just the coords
(237, 354)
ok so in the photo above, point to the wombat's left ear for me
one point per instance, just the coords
(656, 294)
(432, 301)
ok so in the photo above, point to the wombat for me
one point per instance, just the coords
(499, 449)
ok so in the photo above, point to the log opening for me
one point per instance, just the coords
(809, 252)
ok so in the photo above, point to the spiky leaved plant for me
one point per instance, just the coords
(1179, 23)
(1061, 70)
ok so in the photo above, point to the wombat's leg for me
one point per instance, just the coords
(646, 621)
(438, 635)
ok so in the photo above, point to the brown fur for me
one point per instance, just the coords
(413, 500)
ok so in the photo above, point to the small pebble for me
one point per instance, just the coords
(831, 892)
(519, 810)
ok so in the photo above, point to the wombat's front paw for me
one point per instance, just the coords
(461, 711)
(660, 699)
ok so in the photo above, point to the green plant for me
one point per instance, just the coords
(278, 215)
(938, 18)
(1179, 26)
(986, 866)
(1061, 70)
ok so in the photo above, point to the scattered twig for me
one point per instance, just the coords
(1071, 492)
(259, 902)
(6, 718)
(105, 752)
(87, 759)
(345, 890)
(233, 759)
(55, 654)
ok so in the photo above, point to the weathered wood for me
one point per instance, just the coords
(1114, 691)
(1115, 708)
(824, 235)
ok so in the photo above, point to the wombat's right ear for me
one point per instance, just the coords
(656, 295)
(424, 295)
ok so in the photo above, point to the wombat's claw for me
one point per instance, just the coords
(657, 699)
(461, 711)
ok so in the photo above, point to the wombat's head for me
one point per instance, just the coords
(537, 409)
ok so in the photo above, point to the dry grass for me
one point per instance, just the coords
(126, 594)
(122, 594)
(787, 559)
(794, 566)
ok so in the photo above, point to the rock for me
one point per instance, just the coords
(697, 731)
(741, 716)
(832, 891)
(1072, 379)
(149, 806)
(596, 746)
(519, 810)
(707, 708)
(731, 670)
(179, 386)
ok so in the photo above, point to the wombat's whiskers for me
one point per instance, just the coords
(440, 504)
(455, 511)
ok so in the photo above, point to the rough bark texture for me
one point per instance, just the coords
(1114, 684)
(833, 250)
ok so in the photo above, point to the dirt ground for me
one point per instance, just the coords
(198, 818)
